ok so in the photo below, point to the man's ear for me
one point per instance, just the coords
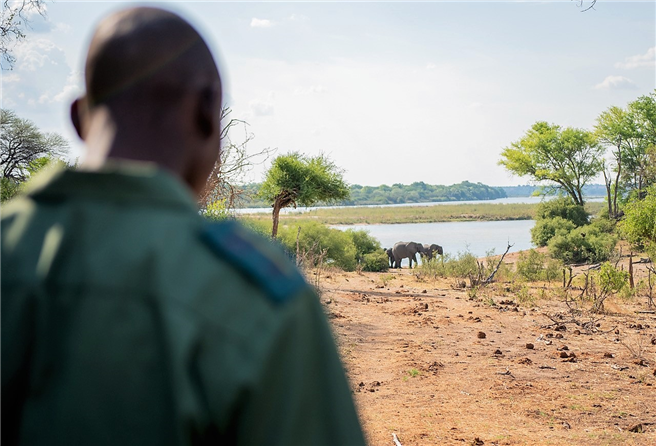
(208, 112)
(77, 111)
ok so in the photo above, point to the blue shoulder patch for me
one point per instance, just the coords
(256, 258)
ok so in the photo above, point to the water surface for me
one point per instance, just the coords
(477, 237)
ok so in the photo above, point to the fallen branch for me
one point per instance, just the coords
(491, 276)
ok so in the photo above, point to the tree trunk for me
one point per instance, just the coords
(608, 183)
(277, 205)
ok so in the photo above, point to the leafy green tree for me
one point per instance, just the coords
(630, 133)
(295, 179)
(639, 224)
(22, 143)
(566, 159)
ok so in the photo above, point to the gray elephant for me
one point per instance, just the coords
(390, 255)
(406, 250)
(431, 250)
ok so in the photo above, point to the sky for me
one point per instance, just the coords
(392, 92)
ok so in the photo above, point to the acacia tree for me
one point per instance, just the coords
(564, 159)
(233, 161)
(295, 179)
(14, 17)
(22, 143)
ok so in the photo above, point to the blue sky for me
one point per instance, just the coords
(392, 92)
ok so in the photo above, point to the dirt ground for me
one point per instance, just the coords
(435, 367)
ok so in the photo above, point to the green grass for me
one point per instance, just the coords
(416, 214)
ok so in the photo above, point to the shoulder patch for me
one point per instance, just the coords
(256, 258)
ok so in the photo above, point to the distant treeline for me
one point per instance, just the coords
(590, 190)
(418, 192)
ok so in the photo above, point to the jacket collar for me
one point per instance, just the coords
(120, 181)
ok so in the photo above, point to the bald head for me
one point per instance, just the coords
(153, 93)
(146, 51)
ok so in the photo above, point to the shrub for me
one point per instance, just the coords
(315, 239)
(582, 245)
(376, 261)
(639, 225)
(530, 265)
(217, 211)
(364, 244)
(545, 230)
(562, 207)
(533, 265)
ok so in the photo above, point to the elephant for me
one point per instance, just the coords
(431, 250)
(406, 250)
(390, 255)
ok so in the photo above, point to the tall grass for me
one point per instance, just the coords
(416, 214)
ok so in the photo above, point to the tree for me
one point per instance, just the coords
(234, 160)
(566, 159)
(22, 144)
(631, 135)
(295, 179)
(13, 20)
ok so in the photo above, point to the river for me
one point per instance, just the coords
(477, 237)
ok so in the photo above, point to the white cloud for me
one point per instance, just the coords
(640, 60)
(616, 83)
(431, 66)
(261, 108)
(261, 23)
(314, 89)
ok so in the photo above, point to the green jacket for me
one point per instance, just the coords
(127, 319)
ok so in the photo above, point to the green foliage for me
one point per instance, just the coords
(217, 211)
(557, 216)
(566, 159)
(316, 240)
(639, 224)
(533, 266)
(612, 279)
(586, 244)
(364, 244)
(545, 230)
(376, 262)
(9, 188)
(24, 149)
(631, 134)
(562, 207)
(303, 180)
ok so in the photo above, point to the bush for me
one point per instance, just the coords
(364, 244)
(639, 225)
(376, 261)
(562, 207)
(533, 265)
(315, 239)
(582, 245)
(545, 230)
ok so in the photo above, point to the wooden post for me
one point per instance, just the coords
(631, 283)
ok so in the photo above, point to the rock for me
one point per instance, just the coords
(559, 336)
(561, 328)
(498, 352)
(424, 291)
(577, 332)
(530, 346)
(564, 355)
(525, 361)
(481, 335)
(478, 442)
(563, 348)
(608, 355)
